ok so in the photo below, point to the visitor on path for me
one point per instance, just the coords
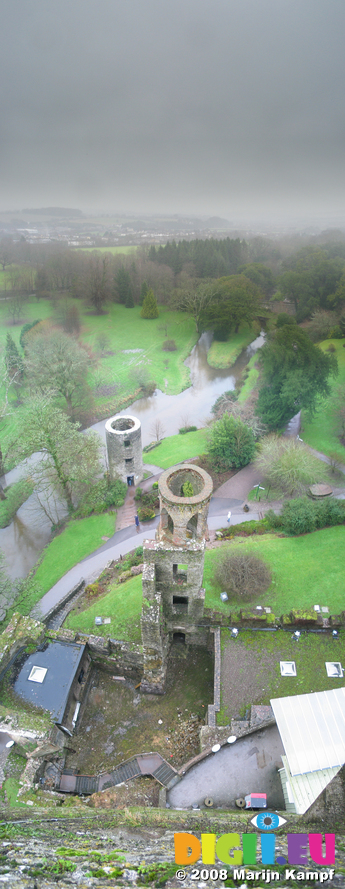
(137, 523)
(229, 518)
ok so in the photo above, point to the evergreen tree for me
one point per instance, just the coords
(149, 309)
(123, 285)
(13, 361)
(143, 292)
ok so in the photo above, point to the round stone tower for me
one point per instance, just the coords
(124, 449)
(184, 494)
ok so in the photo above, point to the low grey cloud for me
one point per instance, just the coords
(209, 106)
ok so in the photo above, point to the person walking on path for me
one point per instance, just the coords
(137, 523)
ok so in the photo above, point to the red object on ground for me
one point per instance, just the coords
(256, 801)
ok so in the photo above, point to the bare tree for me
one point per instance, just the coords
(157, 429)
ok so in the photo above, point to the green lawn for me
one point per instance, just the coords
(306, 571)
(177, 448)
(251, 379)
(126, 248)
(225, 354)
(322, 433)
(123, 604)
(80, 538)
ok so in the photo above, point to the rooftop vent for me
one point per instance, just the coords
(37, 674)
(288, 668)
(334, 669)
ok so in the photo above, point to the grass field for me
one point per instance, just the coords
(80, 537)
(126, 248)
(225, 354)
(177, 448)
(306, 571)
(322, 433)
(122, 604)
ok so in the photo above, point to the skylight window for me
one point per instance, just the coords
(334, 669)
(37, 674)
(288, 668)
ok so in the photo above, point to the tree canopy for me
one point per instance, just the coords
(69, 460)
(55, 361)
(231, 443)
(295, 375)
(235, 299)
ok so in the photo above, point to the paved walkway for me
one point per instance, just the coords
(247, 766)
(231, 496)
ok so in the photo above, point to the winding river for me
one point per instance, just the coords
(23, 540)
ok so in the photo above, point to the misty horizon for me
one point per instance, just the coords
(230, 108)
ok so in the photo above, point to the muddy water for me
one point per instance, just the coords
(24, 539)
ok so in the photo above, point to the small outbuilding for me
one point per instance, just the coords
(54, 678)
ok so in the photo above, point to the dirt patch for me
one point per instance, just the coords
(247, 668)
(218, 478)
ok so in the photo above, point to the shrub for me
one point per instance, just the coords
(302, 515)
(231, 443)
(243, 575)
(155, 486)
(146, 514)
(101, 497)
(187, 429)
(187, 489)
(116, 493)
(169, 346)
(138, 494)
(299, 516)
(288, 465)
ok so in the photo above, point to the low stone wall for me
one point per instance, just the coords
(112, 655)
(20, 632)
(293, 620)
(59, 605)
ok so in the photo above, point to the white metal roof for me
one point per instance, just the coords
(312, 729)
(306, 788)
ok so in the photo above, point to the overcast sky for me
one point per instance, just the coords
(219, 107)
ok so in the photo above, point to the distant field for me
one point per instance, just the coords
(225, 354)
(125, 249)
(322, 433)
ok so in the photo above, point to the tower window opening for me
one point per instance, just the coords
(180, 603)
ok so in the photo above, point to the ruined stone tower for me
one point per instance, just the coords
(124, 449)
(173, 597)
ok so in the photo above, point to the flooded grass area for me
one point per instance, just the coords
(119, 722)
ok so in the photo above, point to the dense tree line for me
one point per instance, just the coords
(314, 278)
(210, 258)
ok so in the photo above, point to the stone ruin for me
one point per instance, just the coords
(124, 449)
(173, 596)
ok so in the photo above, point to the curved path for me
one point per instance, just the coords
(229, 497)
